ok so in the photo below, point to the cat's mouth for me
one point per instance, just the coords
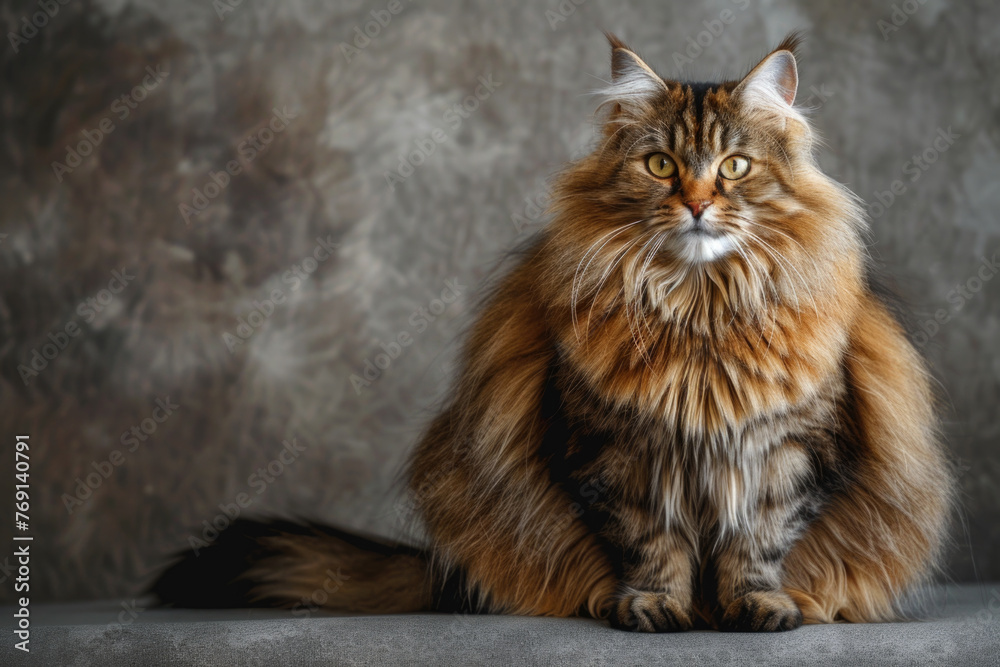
(700, 230)
(703, 225)
(698, 243)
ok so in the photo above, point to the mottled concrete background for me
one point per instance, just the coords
(166, 329)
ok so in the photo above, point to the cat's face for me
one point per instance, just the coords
(701, 185)
(699, 168)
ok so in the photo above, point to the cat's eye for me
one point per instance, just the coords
(661, 165)
(735, 166)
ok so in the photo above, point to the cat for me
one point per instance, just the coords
(687, 406)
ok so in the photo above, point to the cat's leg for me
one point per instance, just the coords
(659, 546)
(656, 595)
(758, 526)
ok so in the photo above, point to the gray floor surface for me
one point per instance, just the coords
(963, 628)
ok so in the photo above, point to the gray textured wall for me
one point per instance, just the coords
(880, 97)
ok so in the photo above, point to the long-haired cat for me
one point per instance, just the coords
(686, 405)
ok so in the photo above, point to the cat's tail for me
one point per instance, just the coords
(306, 567)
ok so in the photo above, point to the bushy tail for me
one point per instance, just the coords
(306, 566)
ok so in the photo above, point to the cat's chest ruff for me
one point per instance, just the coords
(702, 385)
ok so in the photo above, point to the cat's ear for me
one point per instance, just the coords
(633, 82)
(774, 80)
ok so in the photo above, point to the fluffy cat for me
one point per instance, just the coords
(687, 405)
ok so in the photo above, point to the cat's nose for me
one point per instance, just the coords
(697, 207)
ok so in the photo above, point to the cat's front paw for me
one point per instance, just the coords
(646, 611)
(761, 611)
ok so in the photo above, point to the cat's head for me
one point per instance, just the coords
(705, 191)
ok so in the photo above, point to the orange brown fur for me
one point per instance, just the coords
(669, 418)
(741, 373)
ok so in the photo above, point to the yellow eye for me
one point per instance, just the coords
(735, 166)
(660, 165)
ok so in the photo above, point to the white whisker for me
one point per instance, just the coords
(578, 275)
(621, 255)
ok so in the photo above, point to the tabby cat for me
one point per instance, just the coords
(686, 406)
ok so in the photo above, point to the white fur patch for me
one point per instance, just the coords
(698, 249)
(635, 85)
(633, 82)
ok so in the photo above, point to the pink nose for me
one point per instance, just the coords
(698, 206)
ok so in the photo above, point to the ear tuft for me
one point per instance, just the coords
(632, 80)
(614, 41)
(791, 43)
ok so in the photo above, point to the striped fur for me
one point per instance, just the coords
(757, 435)
(668, 427)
